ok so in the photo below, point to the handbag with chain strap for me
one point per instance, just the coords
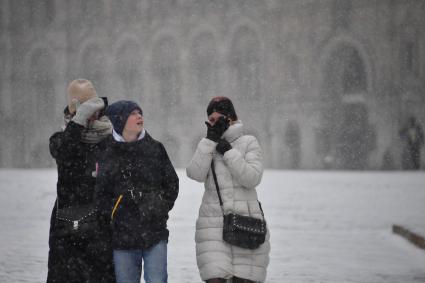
(239, 230)
(79, 222)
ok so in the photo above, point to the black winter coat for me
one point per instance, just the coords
(143, 175)
(88, 260)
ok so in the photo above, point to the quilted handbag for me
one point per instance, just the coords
(239, 230)
(79, 222)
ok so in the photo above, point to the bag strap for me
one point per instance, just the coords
(218, 190)
(216, 185)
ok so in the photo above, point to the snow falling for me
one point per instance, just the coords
(333, 90)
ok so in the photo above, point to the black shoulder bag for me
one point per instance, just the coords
(77, 222)
(238, 230)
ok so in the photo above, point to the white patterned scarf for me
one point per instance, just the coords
(97, 130)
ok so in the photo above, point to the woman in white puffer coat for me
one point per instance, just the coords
(238, 165)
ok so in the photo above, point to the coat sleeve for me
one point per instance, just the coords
(248, 169)
(201, 161)
(104, 193)
(170, 181)
(66, 144)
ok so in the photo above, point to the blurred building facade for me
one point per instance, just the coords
(322, 84)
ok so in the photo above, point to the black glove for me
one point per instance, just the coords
(215, 132)
(212, 133)
(223, 146)
(221, 125)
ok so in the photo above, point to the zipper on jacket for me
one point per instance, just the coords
(115, 207)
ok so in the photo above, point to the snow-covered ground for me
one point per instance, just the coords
(325, 226)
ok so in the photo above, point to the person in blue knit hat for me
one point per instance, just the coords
(136, 188)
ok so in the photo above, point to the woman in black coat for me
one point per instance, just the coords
(71, 258)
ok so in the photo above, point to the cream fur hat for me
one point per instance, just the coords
(79, 91)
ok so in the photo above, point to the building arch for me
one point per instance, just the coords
(330, 45)
(347, 136)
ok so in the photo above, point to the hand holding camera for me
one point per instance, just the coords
(214, 132)
(87, 109)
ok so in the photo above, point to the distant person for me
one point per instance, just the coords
(293, 142)
(238, 162)
(72, 257)
(137, 186)
(413, 137)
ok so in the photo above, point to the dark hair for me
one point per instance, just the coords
(223, 105)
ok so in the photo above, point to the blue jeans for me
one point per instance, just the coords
(128, 264)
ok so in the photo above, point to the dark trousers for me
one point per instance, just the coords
(83, 261)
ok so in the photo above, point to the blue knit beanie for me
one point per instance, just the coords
(118, 113)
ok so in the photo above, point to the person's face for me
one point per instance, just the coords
(134, 122)
(213, 118)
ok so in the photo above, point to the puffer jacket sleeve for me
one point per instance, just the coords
(201, 161)
(248, 169)
(66, 144)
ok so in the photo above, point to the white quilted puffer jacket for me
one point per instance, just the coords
(239, 171)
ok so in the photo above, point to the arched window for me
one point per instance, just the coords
(353, 76)
(347, 138)
(204, 65)
(245, 63)
(345, 72)
(128, 66)
(166, 71)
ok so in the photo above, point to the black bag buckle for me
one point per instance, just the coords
(75, 225)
